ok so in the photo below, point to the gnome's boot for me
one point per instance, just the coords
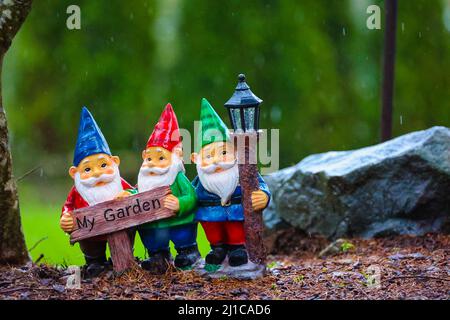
(157, 263)
(237, 255)
(187, 257)
(217, 254)
(94, 266)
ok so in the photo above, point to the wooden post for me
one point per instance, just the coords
(121, 251)
(388, 70)
(248, 178)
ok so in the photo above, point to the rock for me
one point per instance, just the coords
(345, 261)
(333, 248)
(399, 256)
(46, 281)
(397, 187)
(59, 288)
(239, 292)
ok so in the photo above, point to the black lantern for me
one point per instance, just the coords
(243, 108)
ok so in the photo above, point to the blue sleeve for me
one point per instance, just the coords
(263, 186)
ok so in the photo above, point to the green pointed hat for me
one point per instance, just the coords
(213, 129)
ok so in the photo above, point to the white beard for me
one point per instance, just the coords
(94, 195)
(221, 183)
(163, 176)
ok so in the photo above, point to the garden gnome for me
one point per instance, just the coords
(96, 176)
(220, 209)
(163, 166)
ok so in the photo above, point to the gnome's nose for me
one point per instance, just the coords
(97, 173)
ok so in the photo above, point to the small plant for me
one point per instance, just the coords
(273, 286)
(346, 246)
(272, 264)
(299, 278)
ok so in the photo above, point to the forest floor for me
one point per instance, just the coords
(389, 268)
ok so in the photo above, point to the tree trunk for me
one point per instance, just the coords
(12, 242)
(388, 70)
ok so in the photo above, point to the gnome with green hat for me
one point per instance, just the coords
(219, 196)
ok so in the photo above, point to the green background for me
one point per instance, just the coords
(314, 63)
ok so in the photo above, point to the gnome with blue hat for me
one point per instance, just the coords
(96, 176)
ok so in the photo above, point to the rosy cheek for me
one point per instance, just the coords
(205, 162)
(109, 171)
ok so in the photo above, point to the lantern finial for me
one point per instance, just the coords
(243, 107)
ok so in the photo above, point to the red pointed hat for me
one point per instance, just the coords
(166, 133)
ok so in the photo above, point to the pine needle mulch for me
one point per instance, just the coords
(389, 268)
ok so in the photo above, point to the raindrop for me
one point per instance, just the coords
(111, 39)
(344, 32)
(401, 120)
(403, 27)
(275, 114)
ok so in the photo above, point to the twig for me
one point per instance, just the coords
(39, 241)
(9, 290)
(28, 173)
(39, 258)
(314, 297)
(12, 290)
(418, 277)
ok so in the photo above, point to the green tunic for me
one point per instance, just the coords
(184, 191)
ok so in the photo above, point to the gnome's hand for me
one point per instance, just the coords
(66, 222)
(123, 195)
(171, 202)
(259, 200)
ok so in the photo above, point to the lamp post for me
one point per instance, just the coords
(243, 109)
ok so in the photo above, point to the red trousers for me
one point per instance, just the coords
(225, 232)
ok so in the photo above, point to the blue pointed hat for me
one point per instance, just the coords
(90, 139)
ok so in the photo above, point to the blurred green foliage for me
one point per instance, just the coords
(315, 64)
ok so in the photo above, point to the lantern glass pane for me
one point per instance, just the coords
(236, 118)
(249, 116)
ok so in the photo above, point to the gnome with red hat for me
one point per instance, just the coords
(163, 166)
(96, 176)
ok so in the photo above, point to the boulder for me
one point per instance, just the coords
(401, 186)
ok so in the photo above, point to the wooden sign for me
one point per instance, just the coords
(115, 215)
